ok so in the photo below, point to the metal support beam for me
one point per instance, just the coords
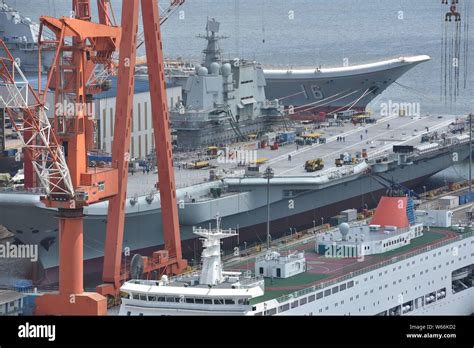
(162, 134)
(121, 146)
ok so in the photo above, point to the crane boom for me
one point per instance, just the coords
(44, 150)
(170, 10)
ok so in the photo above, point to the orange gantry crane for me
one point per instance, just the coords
(80, 46)
(59, 154)
(170, 259)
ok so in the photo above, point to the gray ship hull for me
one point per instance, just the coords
(28, 58)
(20, 35)
(224, 133)
(244, 209)
(311, 91)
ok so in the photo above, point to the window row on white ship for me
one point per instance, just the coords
(395, 241)
(417, 303)
(350, 284)
(305, 300)
(336, 289)
(191, 300)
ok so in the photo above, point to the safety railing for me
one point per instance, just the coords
(364, 270)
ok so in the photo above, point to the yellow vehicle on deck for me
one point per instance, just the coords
(312, 135)
(261, 160)
(198, 165)
(314, 165)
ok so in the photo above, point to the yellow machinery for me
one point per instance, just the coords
(314, 165)
(198, 165)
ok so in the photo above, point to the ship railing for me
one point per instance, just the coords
(31, 290)
(250, 281)
(379, 265)
(282, 66)
(188, 274)
(388, 156)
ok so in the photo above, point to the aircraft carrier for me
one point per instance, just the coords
(312, 90)
(305, 92)
(297, 199)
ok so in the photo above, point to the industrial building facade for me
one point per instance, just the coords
(103, 108)
(142, 141)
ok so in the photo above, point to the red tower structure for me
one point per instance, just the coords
(58, 154)
(169, 260)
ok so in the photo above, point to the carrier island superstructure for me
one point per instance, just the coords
(224, 101)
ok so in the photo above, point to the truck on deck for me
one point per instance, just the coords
(314, 165)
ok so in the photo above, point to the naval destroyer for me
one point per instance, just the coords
(224, 101)
(20, 34)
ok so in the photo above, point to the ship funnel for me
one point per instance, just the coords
(392, 211)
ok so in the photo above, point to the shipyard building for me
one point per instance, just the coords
(103, 109)
(142, 141)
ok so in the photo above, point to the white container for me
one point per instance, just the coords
(350, 214)
(449, 202)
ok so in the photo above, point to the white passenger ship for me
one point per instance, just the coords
(209, 292)
(396, 267)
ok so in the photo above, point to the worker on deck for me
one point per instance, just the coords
(289, 158)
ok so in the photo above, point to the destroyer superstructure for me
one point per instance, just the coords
(20, 34)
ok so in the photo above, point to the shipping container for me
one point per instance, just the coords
(350, 214)
(466, 198)
(449, 202)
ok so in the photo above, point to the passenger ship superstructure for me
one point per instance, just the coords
(390, 266)
(212, 291)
